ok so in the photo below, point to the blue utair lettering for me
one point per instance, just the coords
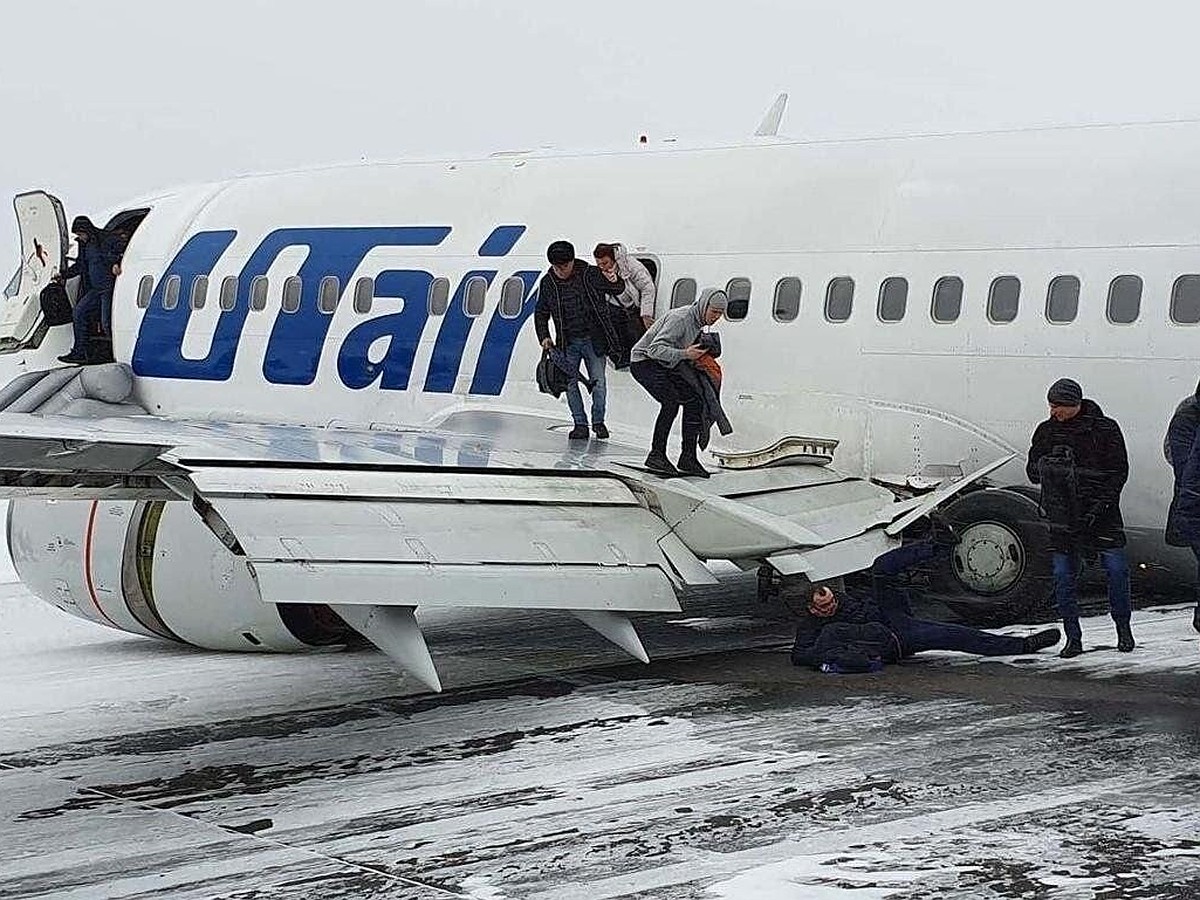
(297, 338)
(496, 353)
(378, 351)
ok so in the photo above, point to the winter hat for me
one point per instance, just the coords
(82, 225)
(1065, 392)
(560, 253)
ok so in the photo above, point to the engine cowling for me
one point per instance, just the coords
(155, 569)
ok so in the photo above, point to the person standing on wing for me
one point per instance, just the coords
(1078, 457)
(1183, 454)
(574, 295)
(653, 364)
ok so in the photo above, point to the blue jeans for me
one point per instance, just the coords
(917, 635)
(1067, 567)
(582, 349)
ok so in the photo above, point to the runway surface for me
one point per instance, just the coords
(553, 768)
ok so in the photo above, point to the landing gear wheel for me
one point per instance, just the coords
(1000, 572)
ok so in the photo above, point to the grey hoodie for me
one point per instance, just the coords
(669, 336)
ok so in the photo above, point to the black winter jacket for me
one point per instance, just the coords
(1183, 453)
(1082, 466)
(579, 307)
(862, 624)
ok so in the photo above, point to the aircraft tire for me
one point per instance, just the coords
(999, 573)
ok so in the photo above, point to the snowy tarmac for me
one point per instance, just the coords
(553, 768)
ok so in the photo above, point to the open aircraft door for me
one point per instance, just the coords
(43, 231)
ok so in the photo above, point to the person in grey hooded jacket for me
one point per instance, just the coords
(653, 363)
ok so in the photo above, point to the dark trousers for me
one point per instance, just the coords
(92, 313)
(627, 323)
(916, 635)
(672, 392)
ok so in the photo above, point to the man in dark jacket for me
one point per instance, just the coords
(840, 631)
(1078, 457)
(1183, 454)
(575, 296)
(97, 263)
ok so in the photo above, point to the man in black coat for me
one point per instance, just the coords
(575, 296)
(840, 631)
(1183, 454)
(98, 264)
(1078, 457)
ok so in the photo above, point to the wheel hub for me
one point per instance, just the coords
(990, 559)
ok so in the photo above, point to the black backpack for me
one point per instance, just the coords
(56, 305)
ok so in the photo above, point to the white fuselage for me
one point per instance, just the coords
(904, 397)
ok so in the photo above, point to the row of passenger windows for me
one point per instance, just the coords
(1004, 296)
(329, 292)
(1004, 299)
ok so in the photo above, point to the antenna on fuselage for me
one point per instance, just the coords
(769, 126)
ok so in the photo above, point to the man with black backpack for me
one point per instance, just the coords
(575, 296)
(1078, 457)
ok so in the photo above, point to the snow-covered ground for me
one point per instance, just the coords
(132, 768)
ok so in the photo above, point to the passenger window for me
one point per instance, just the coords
(512, 297)
(738, 292)
(473, 297)
(1185, 300)
(787, 299)
(839, 299)
(258, 293)
(364, 295)
(1124, 299)
(439, 296)
(1004, 299)
(651, 265)
(893, 299)
(199, 292)
(1062, 300)
(145, 291)
(947, 299)
(228, 298)
(291, 293)
(171, 292)
(684, 292)
(328, 293)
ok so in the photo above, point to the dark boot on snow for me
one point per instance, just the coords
(1071, 649)
(659, 464)
(1040, 640)
(689, 465)
(1125, 642)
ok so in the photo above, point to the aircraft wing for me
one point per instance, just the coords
(487, 509)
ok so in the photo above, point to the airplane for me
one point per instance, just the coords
(328, 416)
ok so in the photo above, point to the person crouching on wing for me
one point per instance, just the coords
(654, 364)
(840, 631)
(573, 295)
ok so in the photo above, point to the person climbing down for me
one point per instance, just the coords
(654, 364)
(97, 264)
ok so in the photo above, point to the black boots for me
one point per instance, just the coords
(1074, 645)
(578, 433)
(689, 465)
(601, 431)
(1125, 642)
(1040, 640)
(658, 463)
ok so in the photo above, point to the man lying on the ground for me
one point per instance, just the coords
(840, 631)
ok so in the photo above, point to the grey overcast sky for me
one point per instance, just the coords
(107, 99)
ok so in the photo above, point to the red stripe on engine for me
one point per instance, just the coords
(87, 564)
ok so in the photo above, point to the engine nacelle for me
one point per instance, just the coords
(154, 569)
